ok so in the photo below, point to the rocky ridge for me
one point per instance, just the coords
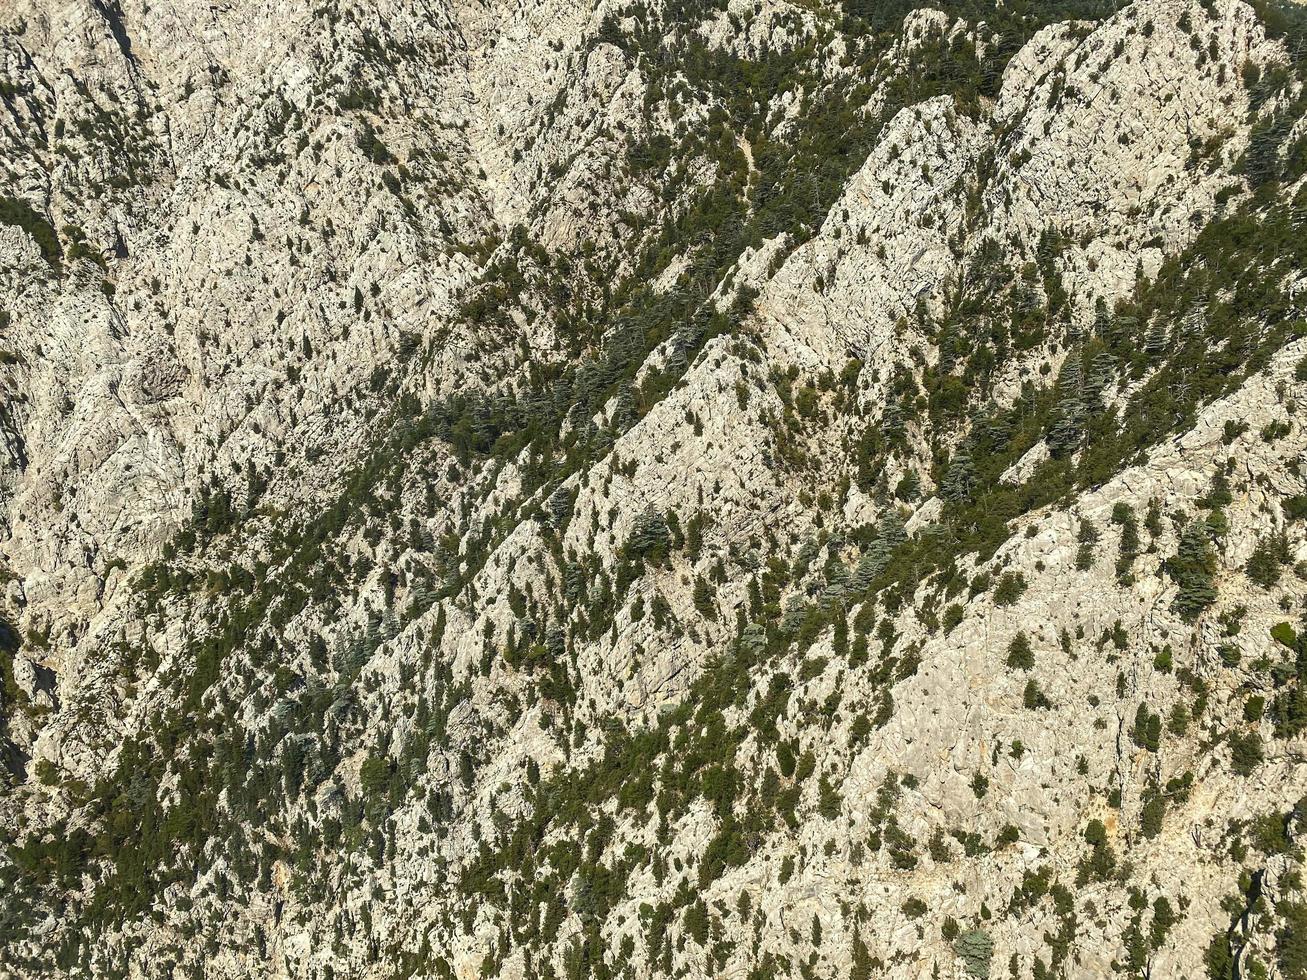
(725, 489)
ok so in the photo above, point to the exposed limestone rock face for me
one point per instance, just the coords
(698, 488)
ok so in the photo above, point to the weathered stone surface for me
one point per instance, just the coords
(280, 226)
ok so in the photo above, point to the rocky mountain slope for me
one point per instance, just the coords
(697, 488)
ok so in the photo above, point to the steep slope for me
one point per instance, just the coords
(544, 490)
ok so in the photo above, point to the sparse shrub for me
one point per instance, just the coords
(1020, 656)
(1033, 697)
(1009, 588)
(1194, 569)
(976, 950)
(1245, 752)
